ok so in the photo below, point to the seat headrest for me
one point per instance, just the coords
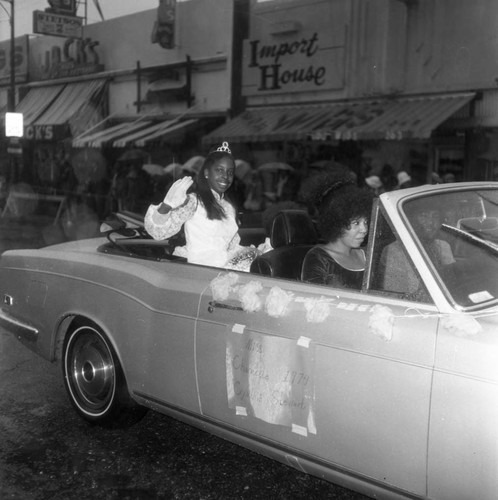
(292, 227)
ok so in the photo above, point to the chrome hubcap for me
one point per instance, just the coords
(90, 370)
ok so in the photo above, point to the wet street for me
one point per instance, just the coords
(48, 452)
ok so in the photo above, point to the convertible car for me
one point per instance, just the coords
(391, 390)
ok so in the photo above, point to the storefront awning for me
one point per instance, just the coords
(158, 132)
(400, 118)
(72, 101)
(36, 101)
(75, 108)
(165, 133)
(132, 136)
(106, 136)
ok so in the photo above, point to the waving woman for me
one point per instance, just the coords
(204, 208)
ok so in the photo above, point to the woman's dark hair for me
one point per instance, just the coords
(203, 189)
(341, 201)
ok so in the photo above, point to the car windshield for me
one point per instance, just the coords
(458, 233)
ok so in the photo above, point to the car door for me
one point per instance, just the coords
(161, 348)
(337, 376)
(463, 451)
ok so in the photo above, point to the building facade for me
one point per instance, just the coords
(363, 83)
(409, 83)
(122, 85)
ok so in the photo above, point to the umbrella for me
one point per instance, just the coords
(275, 166)
(242, 168)
(194, 164)
(153, 169)
(133, 155)
(173, 169)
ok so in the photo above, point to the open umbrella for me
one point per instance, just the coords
(153, 169)
(173, 169)
(275, 166)
(242, 168)
(194, 164)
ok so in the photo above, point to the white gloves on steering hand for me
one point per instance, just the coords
(177, 193)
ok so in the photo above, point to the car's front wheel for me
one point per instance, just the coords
(94, 379)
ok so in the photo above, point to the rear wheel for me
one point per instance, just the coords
(95, 381)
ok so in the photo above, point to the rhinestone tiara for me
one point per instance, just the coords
(224, 148)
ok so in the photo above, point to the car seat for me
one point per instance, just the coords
(293, 233)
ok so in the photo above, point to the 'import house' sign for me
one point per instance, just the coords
(306, 61)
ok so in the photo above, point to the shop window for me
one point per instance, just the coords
(450, 163)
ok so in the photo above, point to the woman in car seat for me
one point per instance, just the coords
(344, 210)
(207, 213)
(398, 274)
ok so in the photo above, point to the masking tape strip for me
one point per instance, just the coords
(238, 328)
(304, 342)
(241, 410)
(299, 429)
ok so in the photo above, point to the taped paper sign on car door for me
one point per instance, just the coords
(272, 378)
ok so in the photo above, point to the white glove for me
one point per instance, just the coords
(265, 247)
(177, 193)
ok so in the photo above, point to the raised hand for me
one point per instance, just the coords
(177, 193)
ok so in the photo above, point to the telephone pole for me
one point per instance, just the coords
(12, 89)
(11, 100)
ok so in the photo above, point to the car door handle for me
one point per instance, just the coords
(214, 304)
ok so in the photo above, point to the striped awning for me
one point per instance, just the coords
(137, 133)
(110, 134)
(164, 133)
(54, 112)
(74, 99)
(158, 132)
(386, 118)
(36, 101)
(133, 136)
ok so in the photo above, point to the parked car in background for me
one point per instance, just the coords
(391, 390)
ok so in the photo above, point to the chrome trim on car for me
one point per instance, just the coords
(17, 327)
(214, 303)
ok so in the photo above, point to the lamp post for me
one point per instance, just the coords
(11, 94)
(12, 90)
(11, 100)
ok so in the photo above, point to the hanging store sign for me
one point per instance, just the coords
(302, 61)
(163, 32)
(47, 23)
